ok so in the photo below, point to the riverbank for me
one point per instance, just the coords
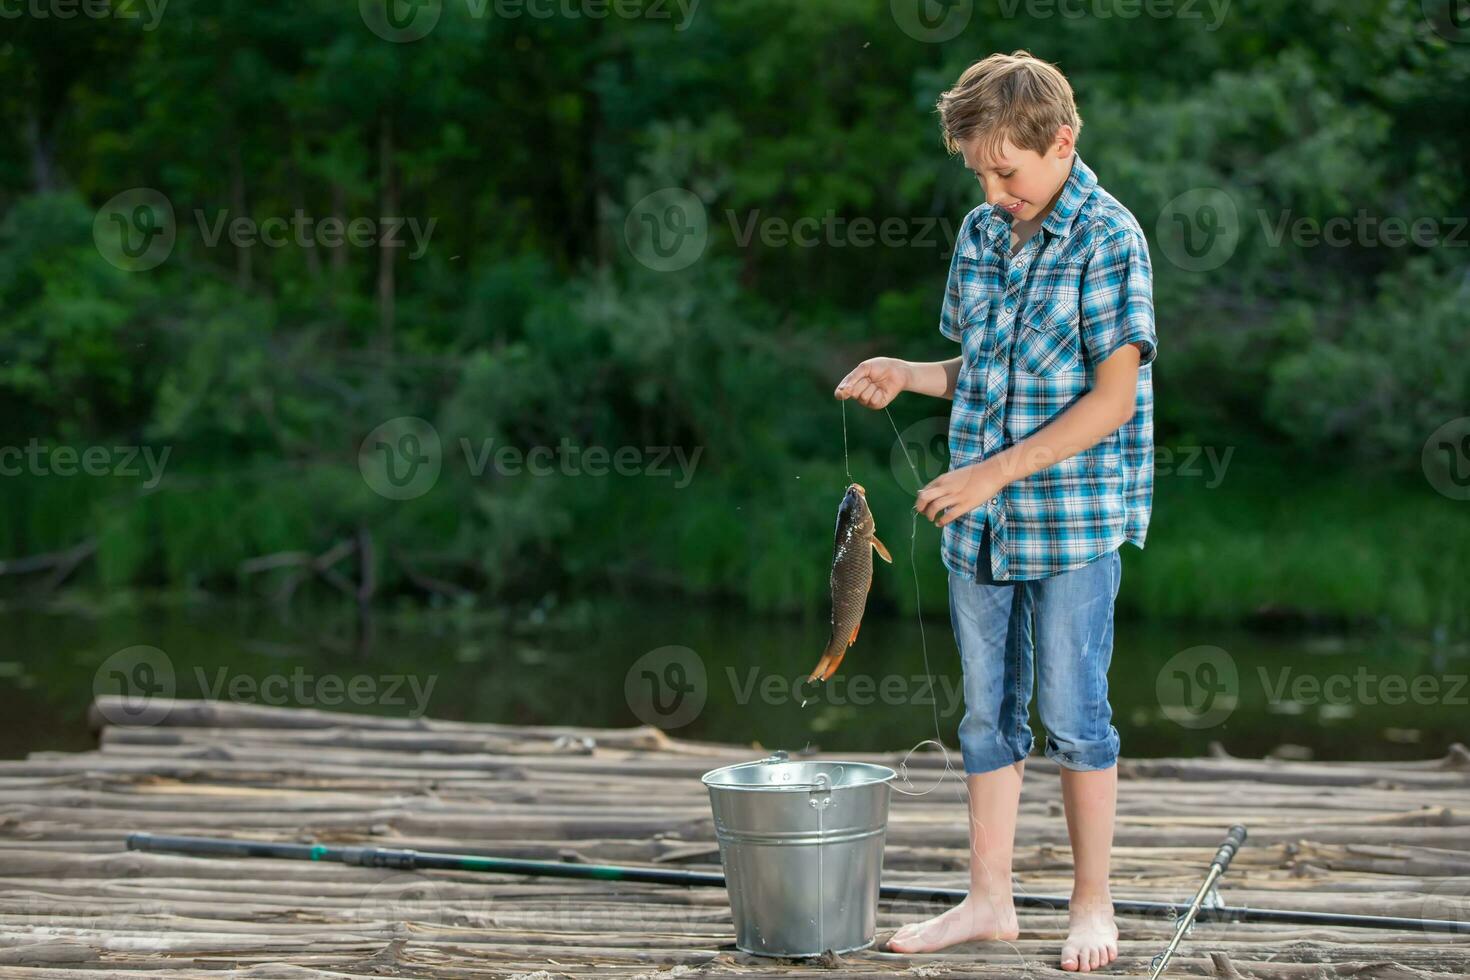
(1238, 537)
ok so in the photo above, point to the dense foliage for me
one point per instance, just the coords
(518, 145)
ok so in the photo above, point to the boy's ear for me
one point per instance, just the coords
(1064, 141)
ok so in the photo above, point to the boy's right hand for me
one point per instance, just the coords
(875, 382)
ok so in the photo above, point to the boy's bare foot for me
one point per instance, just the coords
(1092, 941)
(971, 920)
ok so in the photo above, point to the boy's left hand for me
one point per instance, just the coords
(960, 491)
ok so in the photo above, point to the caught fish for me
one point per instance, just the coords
(852, 576)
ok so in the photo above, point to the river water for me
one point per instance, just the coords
(714, 673)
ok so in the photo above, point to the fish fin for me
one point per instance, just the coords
(853, 639)
(832, 667)
(817, 672)
(882, 550)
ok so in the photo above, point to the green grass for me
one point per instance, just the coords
(1324, 543)
(1277, 536)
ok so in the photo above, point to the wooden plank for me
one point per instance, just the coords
(1372, 838)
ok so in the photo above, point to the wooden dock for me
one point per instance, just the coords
(1373, 838)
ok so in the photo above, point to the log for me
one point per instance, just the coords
(1384, 838)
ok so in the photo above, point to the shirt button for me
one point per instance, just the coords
(1010, 309)
(995, 500)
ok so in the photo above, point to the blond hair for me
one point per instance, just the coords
(1016, 96)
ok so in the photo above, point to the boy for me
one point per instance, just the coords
(1050, 296)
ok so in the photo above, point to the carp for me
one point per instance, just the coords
(851, 577)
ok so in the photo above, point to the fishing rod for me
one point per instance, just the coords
(405, 859)
(1218, 866)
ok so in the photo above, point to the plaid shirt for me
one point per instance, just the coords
(1033, 327)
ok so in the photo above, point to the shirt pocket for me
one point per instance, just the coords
(1048, 340)
(1105, 458)
(974, 325)
(1092, 478)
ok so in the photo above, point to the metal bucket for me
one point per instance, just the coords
(802, 848)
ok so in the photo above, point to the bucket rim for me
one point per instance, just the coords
(881, 775)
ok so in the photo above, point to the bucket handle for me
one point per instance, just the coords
(821, 787)
(821, 784)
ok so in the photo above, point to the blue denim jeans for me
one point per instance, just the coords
(1064, 623)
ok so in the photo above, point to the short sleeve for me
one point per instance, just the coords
(1117, 304)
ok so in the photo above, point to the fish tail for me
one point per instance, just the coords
(832, 667)
(823, 668)
(832, 657)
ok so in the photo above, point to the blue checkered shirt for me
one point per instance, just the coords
(1033, 327)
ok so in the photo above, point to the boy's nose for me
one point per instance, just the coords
(993, 193)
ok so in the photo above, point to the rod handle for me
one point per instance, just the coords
(1233, 841)
(221, 846)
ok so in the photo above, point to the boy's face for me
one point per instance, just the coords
(1023, 183)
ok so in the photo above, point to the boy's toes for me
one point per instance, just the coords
(1085, 959)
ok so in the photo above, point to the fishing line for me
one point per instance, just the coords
(846, 456)
(918, 606)
(938, 739)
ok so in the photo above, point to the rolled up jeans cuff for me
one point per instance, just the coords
(1084, 756)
